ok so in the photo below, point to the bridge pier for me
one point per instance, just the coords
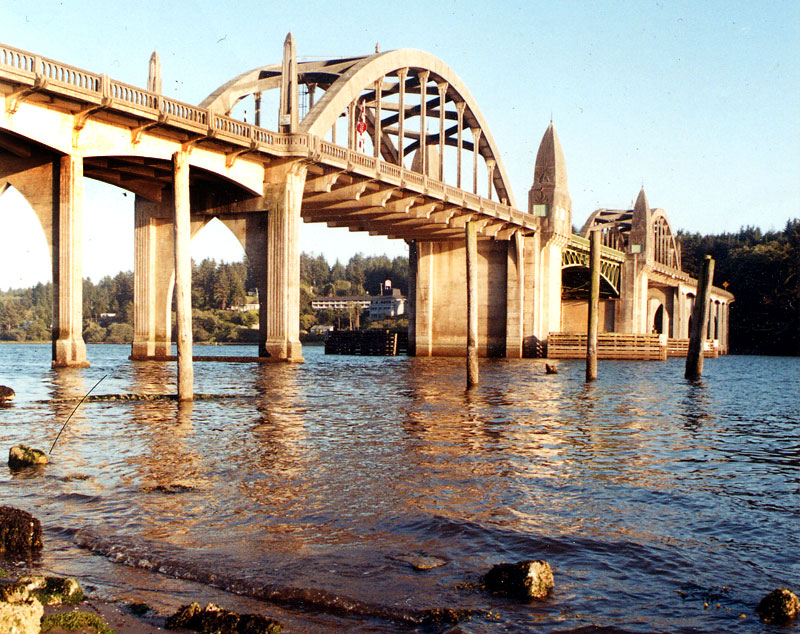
(69, 349)
(183, 274)
(284, 195)
(154, 258)
(440, 298)
(515, 297)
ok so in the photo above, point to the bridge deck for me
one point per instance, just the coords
(430, 208)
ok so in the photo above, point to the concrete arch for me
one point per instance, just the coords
(36, 181)
(665, 246)
(40, 241)
(351, 77)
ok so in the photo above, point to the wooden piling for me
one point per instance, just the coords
(472, 307)
(183, 275)
(594, 305)
(697, 336)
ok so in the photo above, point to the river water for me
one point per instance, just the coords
(306, 491)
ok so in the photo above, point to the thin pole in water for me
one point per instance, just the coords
(594, 301)
(697, 336)
(73, 412)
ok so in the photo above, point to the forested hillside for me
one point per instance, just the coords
(763, 271)
(26, 314)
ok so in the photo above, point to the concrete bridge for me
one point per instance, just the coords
(189, 164)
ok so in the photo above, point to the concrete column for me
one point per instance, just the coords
(531, 256)
(153, 265)
(411, 306)
(401, 120)
(258, 109)
(442, 99)
(515, 296)
(285, 195)
(377, 126)
(460, 140)
(476, 139)
(287, 117)
(549, 292)
(351, 126)
(472, 303)
(423, 308)
(69, 348)
(490, 165)
(423, 112)
(183, 274)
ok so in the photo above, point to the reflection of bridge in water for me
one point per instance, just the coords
(190, 164)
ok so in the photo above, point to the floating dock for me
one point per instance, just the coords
(376, 343)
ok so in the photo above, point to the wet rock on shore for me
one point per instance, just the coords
(20, 533)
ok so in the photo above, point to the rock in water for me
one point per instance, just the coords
(20, 533)
(779, 606)
(419, 561)
(22, 456)
(550, 369)
(522, 580)
(213, 618)
(6, 394)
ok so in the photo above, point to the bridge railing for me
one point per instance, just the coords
(78, 83)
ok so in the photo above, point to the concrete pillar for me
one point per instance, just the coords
(153, 265)
(476, 139)
(471, 236)
(285, 197)
(423, 113)
(549, 295)
(288, 113)
(401, 120)
(515, 296)
(411, 306)
(423, 306)
(183, 274)
(460, 106)
(351, 126)
(532, 342)
(250, 230)
(442, 98)
(377, 129)
(69, 348)
(490, 165)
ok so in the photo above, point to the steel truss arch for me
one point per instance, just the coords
(610, 270)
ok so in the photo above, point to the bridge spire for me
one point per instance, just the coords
(550, 174)
(154, 76)
(287, 118)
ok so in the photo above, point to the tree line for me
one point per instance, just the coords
(761, 269)
(217, 287)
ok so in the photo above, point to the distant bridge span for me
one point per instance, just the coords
(188, 164)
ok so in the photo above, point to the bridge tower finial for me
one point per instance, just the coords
(154, 76)
(549, 196)
(287, 117)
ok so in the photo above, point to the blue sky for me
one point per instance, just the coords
(698, 102)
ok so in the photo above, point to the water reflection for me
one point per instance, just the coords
(320, 474)
(695, 405)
